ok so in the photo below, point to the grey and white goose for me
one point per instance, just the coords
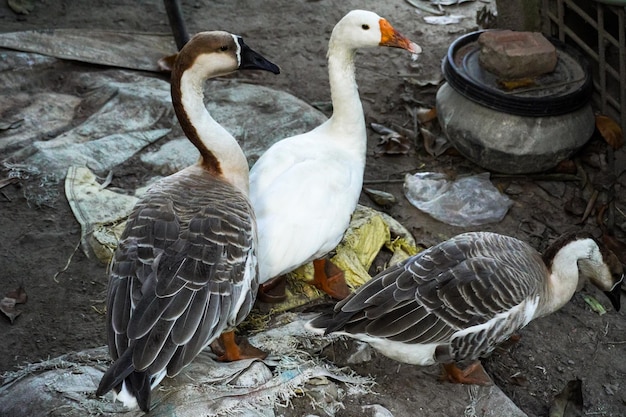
(185, 270)
(458, 300)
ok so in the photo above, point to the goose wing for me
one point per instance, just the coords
(184, 272)
(303, 201)
(463, 282)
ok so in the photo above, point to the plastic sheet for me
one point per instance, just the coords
(466, 201)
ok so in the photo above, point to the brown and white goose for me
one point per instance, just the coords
(305, 188)
(185, 270)
(456, 301)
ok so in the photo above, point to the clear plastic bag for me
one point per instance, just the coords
(466, 201)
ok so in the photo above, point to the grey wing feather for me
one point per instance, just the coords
(459, 283)
(176, 271)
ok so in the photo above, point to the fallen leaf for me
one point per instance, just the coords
(425, 115)
(610, 131)
(381, 198)
(7, 306)
(517, 83)
(19, 295)
(22, 6)
(594, 304)
(434, 142)
(391, 142)
(568, 403)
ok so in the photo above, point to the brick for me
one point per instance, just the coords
(511, 55)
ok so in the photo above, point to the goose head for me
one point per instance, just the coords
(592, 260)
(361, 28)
(605, 272)
(217, 53)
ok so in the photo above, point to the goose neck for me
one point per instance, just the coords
(347, 107)
(565, 277)
(220, 154)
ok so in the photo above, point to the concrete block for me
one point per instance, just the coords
(511, 55)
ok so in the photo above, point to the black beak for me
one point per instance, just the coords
(615, 294)
(253, 60)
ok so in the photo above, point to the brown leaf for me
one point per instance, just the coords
(518, 83)
(425, 115)
(391, 142)
(19, 295)
(610, 131)
(434, 142)
(568, 403)
(381, 198)
(22, 6)
(7, 306)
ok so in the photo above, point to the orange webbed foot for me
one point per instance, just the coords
(327, 277)
(273, 291)
(474, 374)
(228, 350)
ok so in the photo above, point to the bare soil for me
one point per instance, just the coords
(65, 314)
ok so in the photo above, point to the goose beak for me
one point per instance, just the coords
(392, 38)
(251, 59)
(614, 295)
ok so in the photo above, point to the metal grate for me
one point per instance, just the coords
(598, 30)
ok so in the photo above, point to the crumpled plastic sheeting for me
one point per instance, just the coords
(65, 386)
(466, 201)
(140, 51)
(60, 114)
(369, 231)
(73, 116)
(101, 213)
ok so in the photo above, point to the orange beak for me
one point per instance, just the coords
(393, 38)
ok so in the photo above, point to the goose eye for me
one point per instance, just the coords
(365, 27)
(224, 48)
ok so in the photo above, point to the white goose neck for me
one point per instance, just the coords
(212, 136)
(564, 277)
(347, 107)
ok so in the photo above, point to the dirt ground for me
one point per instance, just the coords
(65, 314)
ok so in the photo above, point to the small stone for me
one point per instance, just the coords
(513, 55)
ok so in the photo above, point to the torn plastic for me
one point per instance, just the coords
(465, 201)
(55, 114)
(65, 386)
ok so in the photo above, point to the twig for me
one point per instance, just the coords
(590, 205)
(67, 264)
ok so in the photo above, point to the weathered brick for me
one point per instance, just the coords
(510, 55)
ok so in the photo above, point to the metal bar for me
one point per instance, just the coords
(593, 54)
(621, 19)
(560, 12)
(601, 57)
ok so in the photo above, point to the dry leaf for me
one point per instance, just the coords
(22, 6)
(610, 131)
(7, 306)
(425, 115)
(434, 142)
(517, 83)
(569, 403)
(391, 142)
(19, 295)
(381, 198)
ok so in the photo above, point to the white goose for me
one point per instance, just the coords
(305, 188)
(185, 270)
(456, 301)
